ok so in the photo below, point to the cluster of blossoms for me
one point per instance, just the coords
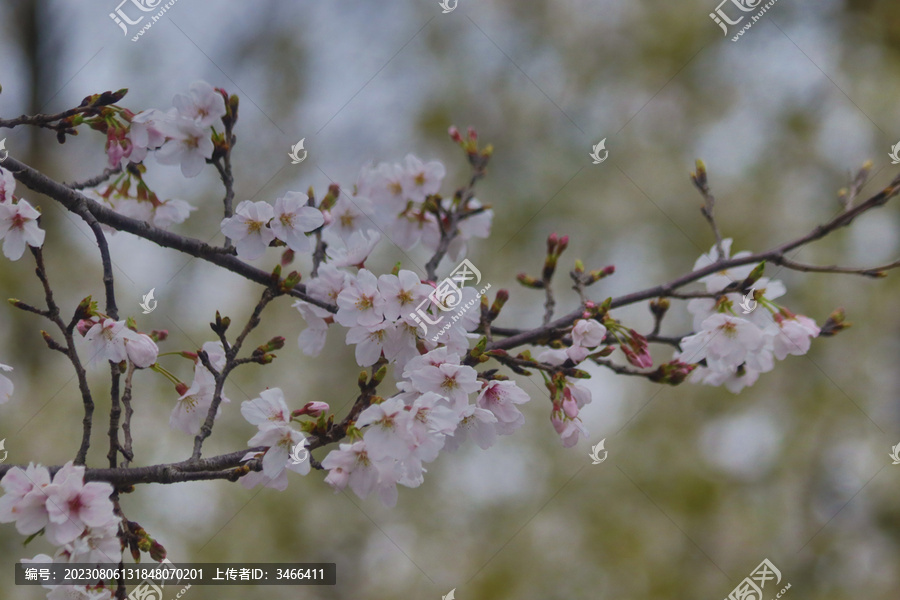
(396, 199)
(391, 438)
(18, 220)
(183, 136)
(179, 136)
(75, 516)
(568, 396)
(256, 224)
(734, 349)
(272, 417)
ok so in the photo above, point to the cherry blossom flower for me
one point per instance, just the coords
(73, 505)
(187, 144)
(79, 592)
(351, 465)
(293, 219)
(7, 186)
(171, 212)
(500, 398)
(361, 303)
(384, 186)
(357, 249)
(477, 422)
(18, 228)
(146, 133)
(203, 105)
(194, 403)
(272, 417)
(327, 285)
(25, 499)
(422, 179)
(792, 334)
(370, 342)
(348, 216)
(268, 410)
(387, 434)
(312, 339)
(255, 478)
(400, 345)
(453, 381)
(215, 352)
(107, 340)
(431, 420)
(721, 279)
(588, 333)
(726, 342)
(248, 228)
(280, 441)
(413, 225)
(94, 545)
(402, 292)
(569, 429)
(140, 349)
(6, 385)
(734, 381)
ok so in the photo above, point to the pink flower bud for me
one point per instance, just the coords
(141, 350)
(454, 134)
(313, 409)
(84, 326)
(570, 407)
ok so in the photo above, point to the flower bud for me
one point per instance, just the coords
(453, 131)
(499, 301)
(552, 241)
(157, 552)
(313, 409)
(84, 325)
(529, 282)
(141, 350)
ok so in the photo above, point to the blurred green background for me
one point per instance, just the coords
(701, 485)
